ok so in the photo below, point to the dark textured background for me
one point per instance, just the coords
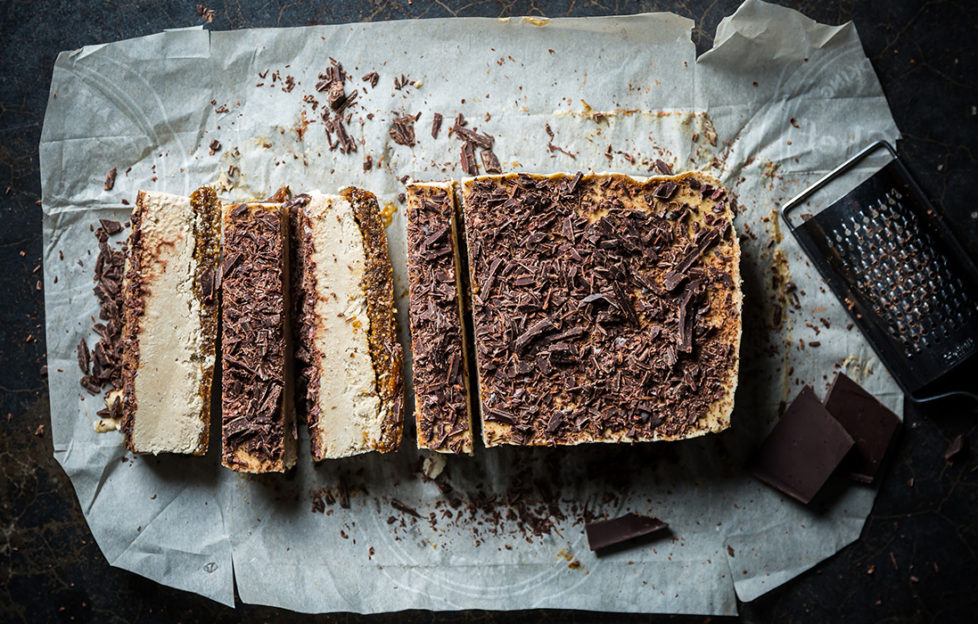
(918, 555)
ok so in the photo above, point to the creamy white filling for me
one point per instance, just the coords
(171, 352)
(351, 414)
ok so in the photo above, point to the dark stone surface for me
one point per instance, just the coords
(917, 557)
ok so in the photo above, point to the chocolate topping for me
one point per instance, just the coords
(436, 328)
(106, 359)
(254, 343)
(576, 338)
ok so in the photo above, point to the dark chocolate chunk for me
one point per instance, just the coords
(803, 449)
(665, 190)
(398, 505)
(490, 162)
(111, 227)
(436, 125)
(484, 141)
(663, 167)
(468, 159)
(869, 422)
(373, 77)
(110, 179)
(84, 357)
(618, 530)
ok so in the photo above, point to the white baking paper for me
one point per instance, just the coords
(777, 101)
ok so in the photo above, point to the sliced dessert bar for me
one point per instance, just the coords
(444, 421)
(170, 322)
(258, 417)
(347, 340)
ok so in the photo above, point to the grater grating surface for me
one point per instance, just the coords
(905, 281)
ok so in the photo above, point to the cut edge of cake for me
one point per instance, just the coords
(386, 352)
(189, 228)
(367, 374)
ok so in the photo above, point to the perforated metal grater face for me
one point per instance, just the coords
(903, 278)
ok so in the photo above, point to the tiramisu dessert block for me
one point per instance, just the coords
(258, 427)
(441, 411)
(605, 308)
(170, 322)
(347, 346)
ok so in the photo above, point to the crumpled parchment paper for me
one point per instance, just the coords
(778, 101)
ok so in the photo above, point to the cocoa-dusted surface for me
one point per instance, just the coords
(605, 309)
(253, 351)
(440, 407)
(55, 571)
(385, 351)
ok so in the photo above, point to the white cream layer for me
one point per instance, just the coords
(351, 414)
(171, 359)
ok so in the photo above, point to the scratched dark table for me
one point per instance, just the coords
(917, 558)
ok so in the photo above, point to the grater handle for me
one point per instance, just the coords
(943, 395)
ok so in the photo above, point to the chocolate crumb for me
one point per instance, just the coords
(663, 167)
(490, 162)
(396, 504)
(468, 159)
(373, 78)
(436, 125)
(215, 147)
(84, 357)
(110, 179)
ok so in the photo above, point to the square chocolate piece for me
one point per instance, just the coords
(869, 422)
(803, 449)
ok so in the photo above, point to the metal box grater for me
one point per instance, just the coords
(906, 282)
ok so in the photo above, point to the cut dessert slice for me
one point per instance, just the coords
(441, 411)
(170, 322)
(606, 308)
(258, 420)
(347, 340)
